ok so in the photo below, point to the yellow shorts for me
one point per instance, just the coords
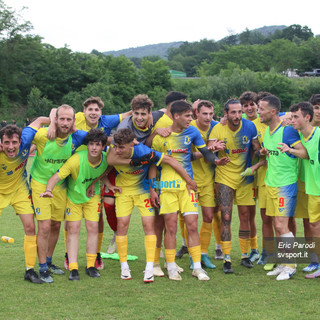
(262, 197)
(20, 199)
(89, 210)
(125, 204)
(207, 196)
(281, 201)
(245, 195)
(314, 208)
(49, 208)
(302, 202)
(179, 201)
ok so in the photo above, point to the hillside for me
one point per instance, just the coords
(160, 49)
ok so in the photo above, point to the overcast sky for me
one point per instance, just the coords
(107, 25)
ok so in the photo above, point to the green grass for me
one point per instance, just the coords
(247, 293)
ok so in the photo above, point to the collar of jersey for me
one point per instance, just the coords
(145, 129)
(276, 128)
(311, 134)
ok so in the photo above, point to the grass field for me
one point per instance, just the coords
(248, 294)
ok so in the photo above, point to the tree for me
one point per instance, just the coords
(11, 23)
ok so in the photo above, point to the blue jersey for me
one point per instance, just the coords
(177, 145)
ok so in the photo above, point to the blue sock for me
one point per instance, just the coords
(49, 260)
(43, 267)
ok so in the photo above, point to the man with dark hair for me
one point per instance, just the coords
(135, 191)
(315, 101)
(248, 102)
(175, 197)
(50, 156)
(240, 137)
(302, 116)
(282, 145)
(81, 169)
(143, 119)
(14, 188)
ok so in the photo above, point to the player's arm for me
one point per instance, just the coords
(90, 189)
(39, 122)
(163, 132)
(212, 157)
(182, 172)
(52, 130)
(153, 194)
(125, 115)
(298, 150)
(50, 185)
(114, 160)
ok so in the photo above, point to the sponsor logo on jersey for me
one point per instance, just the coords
(171, 151)
(54, 161)
(241, 150)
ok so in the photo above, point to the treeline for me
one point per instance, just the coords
(35, 76)
(293, 47)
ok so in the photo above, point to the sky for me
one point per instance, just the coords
(107, 25)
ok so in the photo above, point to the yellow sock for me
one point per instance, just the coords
(205, 236)
(73, 266)
(170, 255)
(150, 245)
(216, 223)
(244, 246)
(226, 247)
(157, 256)
(30, 250)
(254, 242)
(195, 253)
(65, 232)
(91, 259)
(181, 224)
(100, 238)
(122, 245)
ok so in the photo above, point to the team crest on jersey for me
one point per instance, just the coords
(187, 140)
(3, 166)
(68, 212)
(24, 152)
(38, 212)
(245, 140)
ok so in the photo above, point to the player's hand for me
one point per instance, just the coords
(247, 172)
(163, 132)
(223, 120)
(90, 190)
(46, 194)
(154, 198)
(149, 158)
(217, 145)
(52, 131)
(264, 152)
(135, 141)
(113, 188)
(150, 121)
(283, 147)
(222, 162)
(191, 185)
